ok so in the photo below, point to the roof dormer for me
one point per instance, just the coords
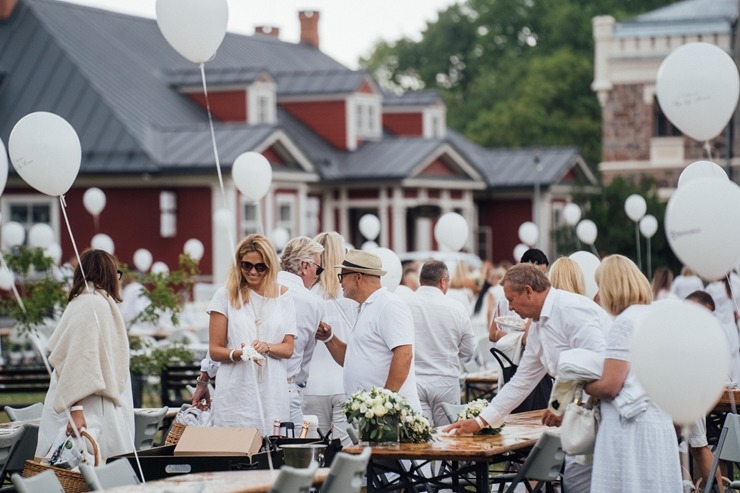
(415, 114)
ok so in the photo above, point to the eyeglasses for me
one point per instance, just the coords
(248, 266)
(319, 269)
(342, 275)
(120, 275)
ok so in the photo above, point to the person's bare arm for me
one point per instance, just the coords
(400, 367)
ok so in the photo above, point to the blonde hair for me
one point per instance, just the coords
(332, 256)
(298, 250)
(460, 273)
(621, 284)
(236, 283)
(567, 275)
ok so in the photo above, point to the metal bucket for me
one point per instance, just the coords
(300, 455)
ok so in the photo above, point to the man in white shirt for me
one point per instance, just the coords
(443, 335)
(560, 321)
(379, 350)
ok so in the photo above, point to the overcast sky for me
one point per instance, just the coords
(348, 29)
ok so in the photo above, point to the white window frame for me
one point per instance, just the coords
(434, 122)
(261, 103)
(364, 118)
(249, 226)
(290, 224)
(29, 200)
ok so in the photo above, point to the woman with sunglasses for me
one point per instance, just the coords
(251, 333)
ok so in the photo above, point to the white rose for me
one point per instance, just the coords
(369, 414)
(380, 410)
(355, 406)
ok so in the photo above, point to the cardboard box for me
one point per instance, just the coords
(208, 441)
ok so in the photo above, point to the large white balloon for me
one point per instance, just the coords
(7, 278)
(699, 170)
(46, 152)
(635, 207)
(3, 167)
(160, 267)
(571, 214)
(14, 234)
(587, 231)
(194, 28)
(54, 252)
(279, 238)
(370, 226)
(702, 227)
(40, 235)
(392, 266)
(698, 87)
(194, 248)
(103, 242)
(94, 200)
(648, 226)
(588, 262)
(679, 355)
(519, 251)
(143, 259)
(451, 231)
(252, 175)
(223, 218)
(369, 246)
(528, 233)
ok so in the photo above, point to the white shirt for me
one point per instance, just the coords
(725, 312)
(567, 321)
(443, 333)
(682, 286)
(383, 324)
(309, 311)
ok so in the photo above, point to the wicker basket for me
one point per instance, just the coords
(173, 436)
(71, 481)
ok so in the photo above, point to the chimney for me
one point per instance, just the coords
(309, 27)
(7, 7)
(268, 31)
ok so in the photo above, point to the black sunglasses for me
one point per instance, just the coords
(120, 275)
(319, 269)
(248, 266)
(342, 275)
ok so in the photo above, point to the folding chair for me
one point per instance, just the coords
(25, 449)
(25, 413)
(728, 448)
(452, 410)
(9, 440)
(46, 482)
(543, 464)
(113, 474)
(346, 473)
(147, 423)
(294, 480)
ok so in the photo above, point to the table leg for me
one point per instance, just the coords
(481, 477)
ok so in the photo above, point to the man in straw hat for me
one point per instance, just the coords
(379, 350)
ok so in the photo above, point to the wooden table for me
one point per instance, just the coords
(520, 433)
(481, 385)
(215, 482)
(729, 398)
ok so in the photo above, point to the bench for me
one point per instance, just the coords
(23, 380)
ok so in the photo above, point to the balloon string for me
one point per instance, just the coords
(708, 149)
(12, 285)
(259, 216)
(637, 244)
(593, 249)
(72, 238)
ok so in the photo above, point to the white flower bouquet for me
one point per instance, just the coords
(472, 409)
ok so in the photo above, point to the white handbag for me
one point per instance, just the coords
(580, 425)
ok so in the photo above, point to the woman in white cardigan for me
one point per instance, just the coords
(89, 353)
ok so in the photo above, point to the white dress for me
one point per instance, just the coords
(246, 396)
(639, 454)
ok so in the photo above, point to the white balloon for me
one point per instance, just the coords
(451, 231)
(587, 231)
(40, 235)
(699, 170)
(3, 167)
(519, 251)
(160, 267)
(392, 266)
(194, 28)
(648, 226)
(54, 252)
(143, 259)
(14, 234)
(702, 227)
(370, 226)
(697, 87)
(194, 248)
(103, 242)
(46, 152)
(94, 200)
(369, 245)
(588, 262)
(279, 238)
(223, 218)
(635, 207)
(528, 233)
(252, 175)
(571, 214)
(679, 355)
(7, 278)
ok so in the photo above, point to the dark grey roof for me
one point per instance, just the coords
(515, 168)
(188, 77)
(693, 10)
(426, 97)
(319, 82)
(687, 18)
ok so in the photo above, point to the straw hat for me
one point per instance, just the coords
(361, 261)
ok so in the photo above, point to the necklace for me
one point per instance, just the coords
(258, 325)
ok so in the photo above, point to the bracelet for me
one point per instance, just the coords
(268, 349)
(330, 338)
(480, 422)
(201, 383)
(75, 408)
(231, 355)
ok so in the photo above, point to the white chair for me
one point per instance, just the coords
(346, 473)
(294, 480)
(23, 450)
(45, 482)
(353, 435)
(113, 474)
(452, 410)
(25, 413)
(147, 423)
(8, 445)
(543, 464)
(728, 448)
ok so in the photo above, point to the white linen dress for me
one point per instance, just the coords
(246, 396)
(639, 454)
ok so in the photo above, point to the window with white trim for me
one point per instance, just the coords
(261, 105)
(367, 117)
(286, 208)
(29, 210)
(250, 221)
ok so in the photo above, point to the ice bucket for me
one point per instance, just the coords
(301, 454)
